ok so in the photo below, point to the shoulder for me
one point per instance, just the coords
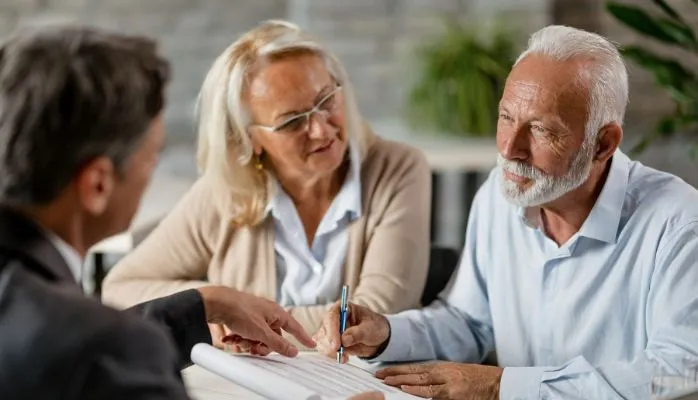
(199, 194)
(391, 159)
(198, 208)
(660, 196)
(660, 206)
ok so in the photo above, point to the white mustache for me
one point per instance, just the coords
(519, 168)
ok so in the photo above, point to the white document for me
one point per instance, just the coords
(300, 378)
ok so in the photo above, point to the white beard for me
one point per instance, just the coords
(545, 188)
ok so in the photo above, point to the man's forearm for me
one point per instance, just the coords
(436, 332)
(183, 315)
(579, 379)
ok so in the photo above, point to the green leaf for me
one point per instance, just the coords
(642, 145)
(459, 81)
(661, 29)
(671, 75)
(693, 152)
(668, 10)
(667, 126)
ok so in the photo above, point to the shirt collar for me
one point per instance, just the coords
(348, 200)
(604, 219)
(70, 256)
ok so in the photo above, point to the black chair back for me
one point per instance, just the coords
(442, 263)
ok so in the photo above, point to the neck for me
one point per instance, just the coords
(316, 189)
(62, 223)
(565, 216)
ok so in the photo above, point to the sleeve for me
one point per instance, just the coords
(457, 326)
(173, 258)
(183, 316)
(672, 329)
(131, 360)
(395, 264)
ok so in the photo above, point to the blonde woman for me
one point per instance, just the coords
(296, 196)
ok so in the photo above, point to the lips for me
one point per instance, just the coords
(324, 147)
(515, 178)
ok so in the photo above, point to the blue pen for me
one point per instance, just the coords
(344, 304)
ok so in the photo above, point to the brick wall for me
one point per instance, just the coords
(374, 38)
(191, 33)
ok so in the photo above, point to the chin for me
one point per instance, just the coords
(331, 158)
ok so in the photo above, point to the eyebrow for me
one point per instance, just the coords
(556, 122)
(291, 113)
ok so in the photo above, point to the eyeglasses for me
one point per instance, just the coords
(301, 122)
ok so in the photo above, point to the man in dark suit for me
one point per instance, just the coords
(80, 132)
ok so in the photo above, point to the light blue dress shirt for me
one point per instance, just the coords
(311, 275)
(585, 320)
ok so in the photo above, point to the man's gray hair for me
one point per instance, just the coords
(606, 75)
(69, 94)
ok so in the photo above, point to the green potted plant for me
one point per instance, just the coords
(679, 82)
(460, 79)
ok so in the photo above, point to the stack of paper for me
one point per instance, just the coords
(308, 377)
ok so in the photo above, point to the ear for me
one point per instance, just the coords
(607, 142)
(256, 145)
(95, 185)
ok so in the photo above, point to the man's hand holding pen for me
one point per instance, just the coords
(366, 332)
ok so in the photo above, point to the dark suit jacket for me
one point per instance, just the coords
(57, 344)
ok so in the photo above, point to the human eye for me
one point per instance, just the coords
(538, 129)
(328, 103)
(291, 125)
(504, 116)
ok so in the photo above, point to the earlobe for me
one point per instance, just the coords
(256, 148)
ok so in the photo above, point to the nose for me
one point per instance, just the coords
(319, 128)
(512, 142)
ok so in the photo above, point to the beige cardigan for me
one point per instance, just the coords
(197, 245)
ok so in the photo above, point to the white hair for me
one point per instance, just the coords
(224, 146)
(606, 78)
(606, 75)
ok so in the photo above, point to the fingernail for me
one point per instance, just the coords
(293, 351)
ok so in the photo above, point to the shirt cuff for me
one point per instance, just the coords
(399, 343)
(521, 383)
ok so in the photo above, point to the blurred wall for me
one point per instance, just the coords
(374, 38)
(191, 33)
(648, 103)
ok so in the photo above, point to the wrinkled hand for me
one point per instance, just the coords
(445, 380)
(255, 324)
(366, 332)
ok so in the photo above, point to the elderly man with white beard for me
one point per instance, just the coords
(580, 266)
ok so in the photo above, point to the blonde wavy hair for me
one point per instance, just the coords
(225, 149)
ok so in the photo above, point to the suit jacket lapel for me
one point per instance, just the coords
(23, 237)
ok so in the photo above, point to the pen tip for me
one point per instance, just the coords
(339, 358)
